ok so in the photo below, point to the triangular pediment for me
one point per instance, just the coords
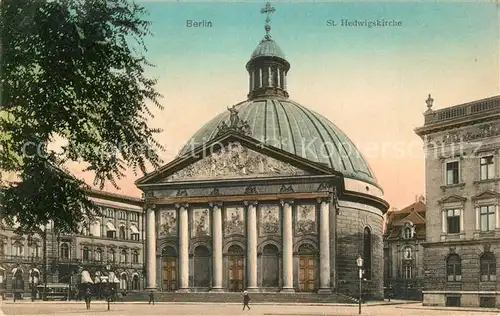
(453, 198)
(488, 194)
(234, 156)
(235, 161)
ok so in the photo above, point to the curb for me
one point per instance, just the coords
(451, 309)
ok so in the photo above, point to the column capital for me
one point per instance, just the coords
(287, 201)
(179, 205)
(247, 203)
(326, 199)
(217, 203)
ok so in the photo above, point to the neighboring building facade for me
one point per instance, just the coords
(267, 196)
(462, 173)
(403, 251)
(110, 249)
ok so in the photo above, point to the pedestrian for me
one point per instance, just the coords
(151, 298)
(88, 295)
(246, 300)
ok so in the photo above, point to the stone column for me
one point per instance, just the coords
(260, 77)
(284, 81)
(251, 245)
(324, 246)
(217, 247)
(183, 248)
(287, 247)
(151, 248)
(278, 72)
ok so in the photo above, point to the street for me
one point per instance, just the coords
(143, 309)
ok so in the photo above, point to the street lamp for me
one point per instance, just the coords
(108, 292)
(359, 262)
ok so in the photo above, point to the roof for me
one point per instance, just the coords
(115, 197)
(289, 126)
(267, 47)
(396, 220)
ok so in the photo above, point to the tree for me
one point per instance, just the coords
(71, 70)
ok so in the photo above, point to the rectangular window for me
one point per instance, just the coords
(487, 218)
(487, 168)
(453, 221)
(487, 301)
(452, 173)
(453, 301)
(134, 237)
(408, 272)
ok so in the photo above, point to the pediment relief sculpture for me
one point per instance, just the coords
(235, 161)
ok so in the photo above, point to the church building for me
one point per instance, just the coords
(268, 196)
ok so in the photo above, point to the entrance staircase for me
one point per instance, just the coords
(229, 297)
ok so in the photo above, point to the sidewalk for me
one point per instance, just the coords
(368, 304)
(450, 309)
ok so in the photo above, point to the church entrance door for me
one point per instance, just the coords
(201, 267)
(270, 265)
(236, 267)
(307, 268)
(169, 259)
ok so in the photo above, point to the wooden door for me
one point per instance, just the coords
(236, 278)
(307, 271)
(169, 274)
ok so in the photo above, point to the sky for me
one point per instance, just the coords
(370, 82)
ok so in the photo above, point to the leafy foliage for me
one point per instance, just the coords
(71, 69)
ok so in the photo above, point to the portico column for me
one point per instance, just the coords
(151, 248)
(217, 247)
(324, 246)
(251, 245)
(287, 247)
(183, 248)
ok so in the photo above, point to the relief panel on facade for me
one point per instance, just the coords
(234, 223)
(467, 135)
(168, 223)
(200, 226)
(235, 161)
(269, 220)
(305, 219)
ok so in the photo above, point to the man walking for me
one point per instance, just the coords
(88, 295)
(151, 298)
(246, 300)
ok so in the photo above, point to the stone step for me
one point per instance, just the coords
(237, 297)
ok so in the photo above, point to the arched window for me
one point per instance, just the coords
(454, 268)
(64, 251)
(121, 232)
(35, 250)
(18, 248)
(408, 271)
(111, 255)
(98, 255)
(135, 283)
(86, 253)
(123, 281)
(407, 254)
(3, 247)
(123, 256)
(488, 267)
(407, 233)
(367, 253)
(135, 256)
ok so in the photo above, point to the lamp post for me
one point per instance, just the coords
(359, 263)
(108, 292)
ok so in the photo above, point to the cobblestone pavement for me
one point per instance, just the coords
(143, 309)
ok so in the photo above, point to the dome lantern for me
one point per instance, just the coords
(267, 67)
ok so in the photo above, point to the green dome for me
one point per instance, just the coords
(267, 47)
(285, 124)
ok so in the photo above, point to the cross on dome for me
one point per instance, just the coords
(267, 10)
